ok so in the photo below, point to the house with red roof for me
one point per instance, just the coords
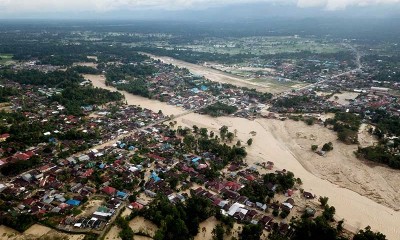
(109, 190)
(4, 136)
(21, 156)
(156, 157)
(136, 205)
(234, 186)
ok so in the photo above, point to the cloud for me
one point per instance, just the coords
(342, 4)
(76, 6)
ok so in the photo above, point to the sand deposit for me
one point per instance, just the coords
(363, 194)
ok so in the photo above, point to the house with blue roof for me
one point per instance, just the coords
(196, 159)
(155, 177)
(131, 148)
(122, 195)
(73, 202)
(195, 90)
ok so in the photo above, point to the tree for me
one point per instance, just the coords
(218, 232)
(250, 141)
(327, 147)
(173, 182)
(251, 232)
(339, 226)
(314, 147)
(238, 143)
(329, 213)
(195, 129)
(323, 201)
(230, 136)
(204, 132)
(275, 212)
(367, 234)
(223, 131)
(284, 214)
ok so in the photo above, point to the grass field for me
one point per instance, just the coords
(4, 58)
(265, 45)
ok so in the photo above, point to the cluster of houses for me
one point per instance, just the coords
(63, 133)
(180, 88)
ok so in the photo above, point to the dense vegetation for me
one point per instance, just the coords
(346, 125)
(6, 92)
(85, 70)
(52, 79)
(386, 123)
(386, 127)
(180, 221)
(19, 222)
(137, 87)
(139, 70)
(291, 101)
(73, 98)
(219, 109)
(14, 168)
(380, 154)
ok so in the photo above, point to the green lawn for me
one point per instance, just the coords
(4, 58)
(266, 45)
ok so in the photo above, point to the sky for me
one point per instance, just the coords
(75, 8)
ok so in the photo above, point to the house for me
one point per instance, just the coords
(83, 158)
(73, 202)
(230, 194)
(236, 207)
(266, 220)
(27, 177)
(122, 195)
(2, 187)
(4, 136)
(308, 195)
(251, 214)
(109, 190)
(135, 205)
(310, 211)
(233, 186)
(150, 193)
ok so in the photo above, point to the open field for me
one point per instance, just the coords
(86, 64)
(36, 232)
(113, 233)
(90, 207)
(344, 97)
(263, 45)
(6, 58)
(219, 76)
(140, 224)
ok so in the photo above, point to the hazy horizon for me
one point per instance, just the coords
(198, 10)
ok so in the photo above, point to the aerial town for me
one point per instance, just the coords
(119, 133)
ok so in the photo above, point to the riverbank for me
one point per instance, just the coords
(363, 194)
